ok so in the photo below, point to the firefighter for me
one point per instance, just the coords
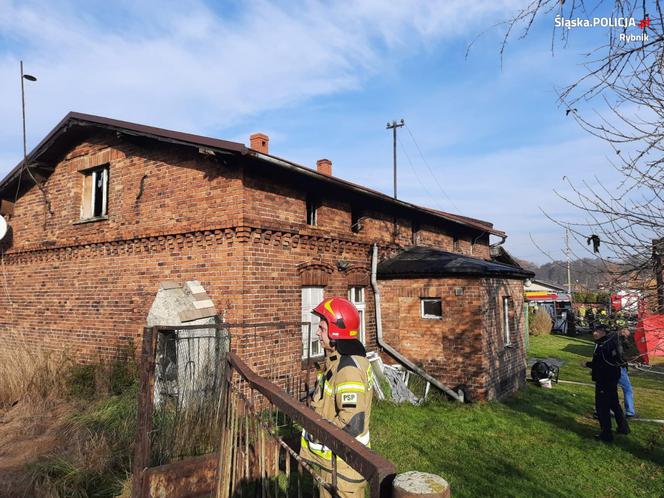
(343, 394)
(620, 321)
(606, 363)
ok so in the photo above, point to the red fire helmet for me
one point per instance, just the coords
(343, 320)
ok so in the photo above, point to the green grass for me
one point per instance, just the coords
(94, 458)
(536, 443)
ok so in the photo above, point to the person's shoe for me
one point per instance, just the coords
(632, 415)
(623, 430)
(605, 438)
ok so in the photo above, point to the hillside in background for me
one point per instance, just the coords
(587, 273)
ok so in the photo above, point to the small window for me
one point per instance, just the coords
(355, 220)
(456, 245)
(312, 211)
(507, 311)
(432, 308)
(356, 296)
(415, 230)
(95, 193)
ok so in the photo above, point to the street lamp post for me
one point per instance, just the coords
(28, 77)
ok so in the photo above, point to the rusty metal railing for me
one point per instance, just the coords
(262, 428)
(252, 428)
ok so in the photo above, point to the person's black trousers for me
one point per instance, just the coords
(606, 401)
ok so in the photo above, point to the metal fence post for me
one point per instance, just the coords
(145, 404)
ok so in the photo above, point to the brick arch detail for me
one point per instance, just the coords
(315, 273)
(358, 275)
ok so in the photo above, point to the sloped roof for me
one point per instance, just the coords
(546, 286)
(75, 125)
(418, 262)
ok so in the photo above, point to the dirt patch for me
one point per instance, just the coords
(28, 431)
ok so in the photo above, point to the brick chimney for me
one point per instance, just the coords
(324, 166)
(259, 142)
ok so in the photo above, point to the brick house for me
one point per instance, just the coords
(108, 209)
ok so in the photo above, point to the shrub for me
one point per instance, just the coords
(580, 297)
(541, 323)
(603, 298)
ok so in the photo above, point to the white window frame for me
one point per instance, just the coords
(506, 321)
(311, 296)
(356, 295)
(427, 316)
(90, 178)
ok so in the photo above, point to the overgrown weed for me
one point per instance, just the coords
(95, 436)
(33, 375)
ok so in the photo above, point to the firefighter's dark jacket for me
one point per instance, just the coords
(607, 360)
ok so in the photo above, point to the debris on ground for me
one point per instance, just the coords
(394, 376)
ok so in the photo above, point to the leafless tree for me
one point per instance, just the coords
(620, 99)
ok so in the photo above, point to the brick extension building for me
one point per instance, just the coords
(107, 210)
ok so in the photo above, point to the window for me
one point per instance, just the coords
(507, 311)
(355, 220)
(456, 245)
(95, 193)
(432, 308)
(356, 296)
(312, 211)
(311, 346)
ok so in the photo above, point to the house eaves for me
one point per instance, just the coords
(76, 124)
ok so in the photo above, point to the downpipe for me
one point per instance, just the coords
(459, 396)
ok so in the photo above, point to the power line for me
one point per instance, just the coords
(419, 180)
(430, 170)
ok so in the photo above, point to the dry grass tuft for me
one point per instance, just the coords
(66, 429)
(32, 375)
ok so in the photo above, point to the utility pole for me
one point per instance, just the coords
(393, 126)
(569, 263)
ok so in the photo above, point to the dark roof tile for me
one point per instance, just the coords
(418, 261)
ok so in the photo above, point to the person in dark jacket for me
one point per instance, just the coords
(606, 364)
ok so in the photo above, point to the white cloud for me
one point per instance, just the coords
(192, 68)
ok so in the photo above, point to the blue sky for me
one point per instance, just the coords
(322, 79)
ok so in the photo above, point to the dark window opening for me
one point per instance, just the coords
(432, 308)
(95, 193)
(415, 229)
(355, 220)
(312, 211)
(456, 245)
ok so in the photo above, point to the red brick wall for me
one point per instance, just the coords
(180, 191)
(175, 214)
(87, 288)
(465, 347)
(507, 365)
(267, 195)
(90, 300)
